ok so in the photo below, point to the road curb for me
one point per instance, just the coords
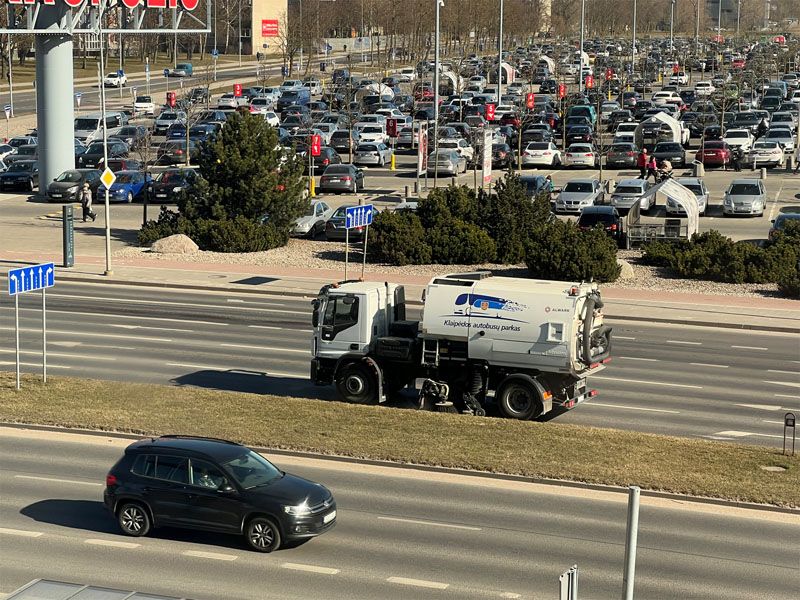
(301, 294)
(446, 470)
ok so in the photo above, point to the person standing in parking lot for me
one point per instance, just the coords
(641, 162)
(86, 203)
(651, 168)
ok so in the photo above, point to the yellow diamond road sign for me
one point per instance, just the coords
(108, 178)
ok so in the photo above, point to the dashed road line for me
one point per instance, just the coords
(306, 351)
(741, 434)
(685, 342)
(111, 543)
(27, 364)
(749, 347)
(784, 372)
(211, 555)
(787, 383)
(759, 406)
(637, 358)
(20, 532)
(787, 396)
(121, 326)
(279, 328)
(664, 383)
(57, 480)
(429, 523)
(709, 365)
(659, 410)
(310, 568)
(622, 337)
(434, 585)
(67, 354)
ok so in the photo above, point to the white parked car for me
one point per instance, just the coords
(765, 154)
(375, 154)
(661, 98)
(227, 101)
(144, 104)
(407, 75)
(115, 80)
(783, 136)
(459, 145)
(739, 137)
(371, 132)
(581, 155)
(289, 85)
(698, 188)
(313, 222)
(679, 78)
(704, 88)
(260, 105)
(272, 118)
(541, 154)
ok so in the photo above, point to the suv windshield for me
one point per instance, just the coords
(251, 470)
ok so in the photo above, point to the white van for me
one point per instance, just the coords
(89, 127)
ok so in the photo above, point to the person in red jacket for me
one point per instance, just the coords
(641, 162)
(652, 166)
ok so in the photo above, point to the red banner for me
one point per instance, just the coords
(530, 101)
(490, 112)
(316, 145)
(237, 89)
(269, 28)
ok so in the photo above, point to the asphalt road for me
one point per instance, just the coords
(400, 535)
(672, 379)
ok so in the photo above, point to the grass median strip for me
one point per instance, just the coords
(544, 450)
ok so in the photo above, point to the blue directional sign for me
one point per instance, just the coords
(329, 47)
(120, 72)
(359, 216)
(166, 72)
(215, 53)
(147, 68)
(28, 279)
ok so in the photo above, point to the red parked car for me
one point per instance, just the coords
(423, 92)
(714, 152)
(510, 119)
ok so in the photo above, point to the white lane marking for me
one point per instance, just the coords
(775, 202)
(637, 358)
(733, 433)
(622, 337)
(310, 568)
(24, 364)
(789, 383)
(709, 365)
(279, 328)
(660, 410)
(787, 396)
(759, 406)
(264, 348)
(66, 344)
(217, 368)
(509, 595)
(779, 371)
(20, 532)
(115, 544)
(750, 347)
(110, 335)
(70, 312)
(181, 304)
(121, 326)
(431, 523)
(211, 555)
(680, 385)
(67, 354)
(684, 342)
(57, 480)
(772, 422)
(435, 585)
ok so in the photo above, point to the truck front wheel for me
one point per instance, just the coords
(518, 399)
(356, 384)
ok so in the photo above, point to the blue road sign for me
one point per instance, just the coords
(120, 72)
(78, 95)
(329, 47)
(7, 107)
(147, 68)
(28, 279)
(166, 72)
(215, 53)
(359, 216)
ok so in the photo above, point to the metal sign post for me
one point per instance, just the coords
(789, 421)
(630, 542)
(78, 102)
(29, 279)
(7, 108)
(68, 235)
(357, 216)
(215, 56)
(568, 584)
(147, 77)
(133, 101)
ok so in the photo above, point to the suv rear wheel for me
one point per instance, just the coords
(263, 535)
(134, 520)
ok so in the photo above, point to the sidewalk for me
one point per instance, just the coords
(735, 312)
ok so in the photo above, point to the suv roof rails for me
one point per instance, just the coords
(178, 436)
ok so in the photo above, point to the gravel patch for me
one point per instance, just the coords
(308, 254)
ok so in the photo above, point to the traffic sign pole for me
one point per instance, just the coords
(16, 329)
(7, 108)
(29, 279)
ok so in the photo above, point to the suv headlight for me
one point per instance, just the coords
(176, 190)
(727, 201)
(298, 510)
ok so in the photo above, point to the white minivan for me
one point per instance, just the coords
(89, 127)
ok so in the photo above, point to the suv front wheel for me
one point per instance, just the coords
(134, 520)
(263, 535)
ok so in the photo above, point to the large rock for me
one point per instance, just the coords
(174, 244)
(625, 273)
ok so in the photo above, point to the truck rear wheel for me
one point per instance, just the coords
(356, 384)
(518, 399)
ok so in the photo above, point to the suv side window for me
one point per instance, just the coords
(205, 475)
(171, 468)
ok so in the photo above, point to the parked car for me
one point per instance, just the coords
(174, 151)
(372, 153)
(745, 197)
(68, 185)
(23, 174)
(335, 229)
(128, 186)
(715, 152)
(27, 152)
(577, 194)
(95, 154)
(133, 135)
(606, 217)
(502, 156)
(446, 162)
(327, 156)
(214, 485)
(144, 105)
(125, 164)
(167, 119)
(739, 137)
(342, 140)
(630, 191)
(622, 155)
(782, 136)
(581, 155)
(460, 145)
(765, 154)
(698, 187)
(779, 223)
(115, 80)
(342, 178)
(541, 154)
(168, 184)
(312, 223)
(671, 151)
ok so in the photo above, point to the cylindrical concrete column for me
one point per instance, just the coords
(55, 115)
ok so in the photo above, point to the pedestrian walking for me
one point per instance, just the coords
(86, 203)
(651, 168)
(641, 162)
(796, 161)
(736, 158)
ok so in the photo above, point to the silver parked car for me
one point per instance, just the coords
(446, 162)
(313, 222)
(372, 153)
(698, 187)
(630, 191)
(745, 197)
(578, 194)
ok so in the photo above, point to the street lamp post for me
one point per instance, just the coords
(697, 26)
(633, 44)
(738, 14)
(580, 49)
(240, 32)
(500, 58)
(671, 26)
(439, 3)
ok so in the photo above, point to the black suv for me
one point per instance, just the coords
(214, 485)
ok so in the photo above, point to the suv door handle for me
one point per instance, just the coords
(146, 489)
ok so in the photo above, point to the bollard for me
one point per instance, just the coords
(311, 190)
(406, 192)
(698, 169)
(416, 188)
(790, 163)
(763, 173)
(453, 181)
(393, 166)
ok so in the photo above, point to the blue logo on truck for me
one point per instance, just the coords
(481, 302)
